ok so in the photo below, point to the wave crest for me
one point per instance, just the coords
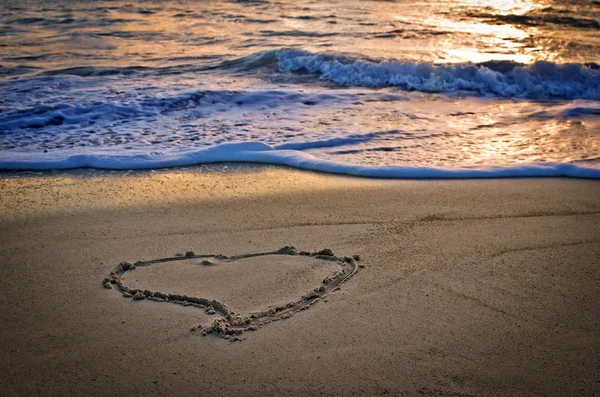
(539, 81)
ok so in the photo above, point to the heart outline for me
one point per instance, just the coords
(230, 325)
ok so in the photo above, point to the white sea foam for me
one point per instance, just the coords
(255, 152)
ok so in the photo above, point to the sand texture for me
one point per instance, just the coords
(461, 288)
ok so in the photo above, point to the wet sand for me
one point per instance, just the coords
(469, 288)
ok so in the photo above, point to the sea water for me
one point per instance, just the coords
(441, 88)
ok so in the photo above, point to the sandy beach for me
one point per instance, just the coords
(466, 287)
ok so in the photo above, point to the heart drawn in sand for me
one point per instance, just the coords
(229, 324)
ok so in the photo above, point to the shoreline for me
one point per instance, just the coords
(287, 155)
(78, 188)
(470, 287)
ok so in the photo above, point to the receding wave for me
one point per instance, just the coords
(255, 152)
(54, 115)
(89, 112)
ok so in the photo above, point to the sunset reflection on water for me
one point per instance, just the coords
(169, 33)
(444, 83)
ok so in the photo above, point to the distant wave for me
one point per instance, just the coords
(93, 71)
(255, 152)
(541, 80)
(549, 16)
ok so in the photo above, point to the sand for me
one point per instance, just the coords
(466, 288)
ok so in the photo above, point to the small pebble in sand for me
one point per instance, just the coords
(189, 253)
(287, 250)
(356, 257)
(107, 286)
(179, 254)
(207, 263)
(325, 252)
(127, 295)
(361, 266)
(139, 296)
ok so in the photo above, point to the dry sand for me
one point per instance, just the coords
(470, 288)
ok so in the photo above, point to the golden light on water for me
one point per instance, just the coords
(441, 31)
(475, 56)
(505, 7)
(494, 41)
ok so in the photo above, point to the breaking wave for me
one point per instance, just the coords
(540, 81)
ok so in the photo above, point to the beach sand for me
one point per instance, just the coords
(466, 287)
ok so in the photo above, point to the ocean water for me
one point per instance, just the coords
(441, 88)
